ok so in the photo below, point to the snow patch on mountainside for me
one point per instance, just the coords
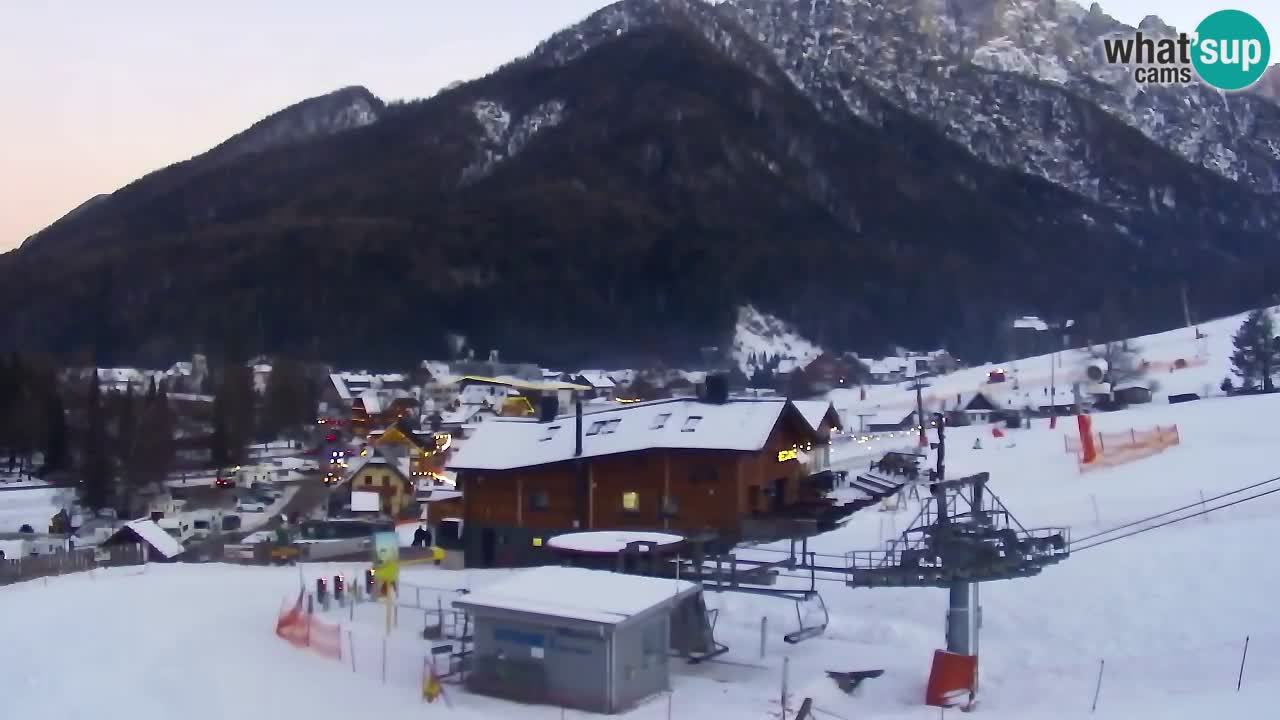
(759, 337)
(502, 139)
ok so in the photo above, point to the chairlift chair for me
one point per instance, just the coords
(813, 629)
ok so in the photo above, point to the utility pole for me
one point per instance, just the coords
(924, 439)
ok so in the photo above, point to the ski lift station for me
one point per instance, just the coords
(591, 640)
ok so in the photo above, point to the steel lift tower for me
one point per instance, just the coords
(964, 535)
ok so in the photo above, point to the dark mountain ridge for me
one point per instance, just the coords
(617, 197)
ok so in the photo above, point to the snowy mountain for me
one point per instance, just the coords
(760, 338)
(1021, 84)
(340, 110)
(909, 174)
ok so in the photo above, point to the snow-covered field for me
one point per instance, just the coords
(1207, 360)
(34, 506)
(1167, 610)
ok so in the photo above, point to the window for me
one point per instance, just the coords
(550, 433)
(596, 427)
(691, 423)
(539, 500)
(631, 501)
(610, 426)
(660, 421)
(670, 506)
(386, 481)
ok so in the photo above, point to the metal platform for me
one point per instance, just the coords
(963, 533)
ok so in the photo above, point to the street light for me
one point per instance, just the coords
(1031, 322)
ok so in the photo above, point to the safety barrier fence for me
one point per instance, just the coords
(35, 567)
(1115, 448)
(301, 629)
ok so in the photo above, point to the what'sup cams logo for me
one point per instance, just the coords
(1228, 50)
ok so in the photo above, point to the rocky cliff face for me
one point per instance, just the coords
(1023, 84)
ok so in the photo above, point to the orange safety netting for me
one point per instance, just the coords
(1115, 448)
(301, 629)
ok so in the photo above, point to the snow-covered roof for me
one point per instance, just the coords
(150, 533)
(508, 443)
(598, 379)
(372, 401)
(465, 414)
(608, 541)
(814, 411)
(340, 385)
(595, 596)
(438, 494)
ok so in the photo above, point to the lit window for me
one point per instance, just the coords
(691, 423)
(551, 432)
(660, 421)
(631, 501)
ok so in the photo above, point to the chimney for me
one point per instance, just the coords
(548, 408)
(717, 388)
(577, 446)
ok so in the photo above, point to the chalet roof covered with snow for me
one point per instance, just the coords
(598, 379)
(508, 443)
(579, 594)
(815, 411)
(151, 533)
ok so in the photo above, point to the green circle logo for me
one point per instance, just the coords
(1232, 50)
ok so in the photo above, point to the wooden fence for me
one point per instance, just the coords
(35, 567)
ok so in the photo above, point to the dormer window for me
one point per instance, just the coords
(691, 423)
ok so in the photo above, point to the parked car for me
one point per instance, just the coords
(251, 506)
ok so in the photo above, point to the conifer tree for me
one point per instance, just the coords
(1257, 354)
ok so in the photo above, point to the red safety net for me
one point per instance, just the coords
(301, 629)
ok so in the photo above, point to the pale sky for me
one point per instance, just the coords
(98, 94)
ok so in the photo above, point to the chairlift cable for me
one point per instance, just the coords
(1177, 519)
(1175, 510)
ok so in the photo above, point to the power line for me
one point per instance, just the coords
(1175, 510)
(1178, 519)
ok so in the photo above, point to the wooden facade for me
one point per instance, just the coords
(509, 513)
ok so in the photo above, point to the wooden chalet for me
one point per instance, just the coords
(828, 372)
(722, 469)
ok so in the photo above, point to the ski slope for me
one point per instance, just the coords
(1208, 360)
(1168, 610)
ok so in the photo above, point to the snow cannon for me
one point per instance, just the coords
(1096, 370)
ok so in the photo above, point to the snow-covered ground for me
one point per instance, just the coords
(34, 506)
(758, 337)
(1167, 610)
(1207, 359)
